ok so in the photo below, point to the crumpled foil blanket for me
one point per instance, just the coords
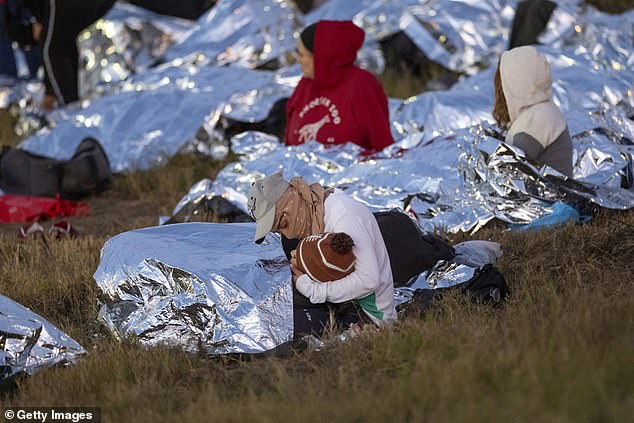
(29, 343)
(248, 33)
(580, 88)
(125, 42)
(201, 286)
(455, 183)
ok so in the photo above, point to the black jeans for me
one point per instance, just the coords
(63, 20)
(314, 319)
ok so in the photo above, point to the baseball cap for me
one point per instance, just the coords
(261, 204)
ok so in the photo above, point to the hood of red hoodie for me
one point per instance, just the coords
(335, 50)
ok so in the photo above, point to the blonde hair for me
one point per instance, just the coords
(500, 109)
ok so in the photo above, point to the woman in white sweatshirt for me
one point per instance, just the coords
(296, 210)
(524, 106)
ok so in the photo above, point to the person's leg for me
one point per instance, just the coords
(7, 59)
(60, 73)
(33, 58)
(310, 320)
(349, 313)
(65, 19)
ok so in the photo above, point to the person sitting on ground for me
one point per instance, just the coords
(298, 210)
(524, 105)
(335, 101)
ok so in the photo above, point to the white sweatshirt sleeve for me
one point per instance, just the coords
(366, 277)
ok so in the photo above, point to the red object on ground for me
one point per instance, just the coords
(22, 208)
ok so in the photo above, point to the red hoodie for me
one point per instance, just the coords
(343, 102)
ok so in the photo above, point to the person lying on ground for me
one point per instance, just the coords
(524, 105)
(298, 210)
(335, 101)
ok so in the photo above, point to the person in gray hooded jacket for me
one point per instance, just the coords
(524, 106)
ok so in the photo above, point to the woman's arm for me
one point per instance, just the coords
(365, 278)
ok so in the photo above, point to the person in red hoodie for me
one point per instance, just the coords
(335, 101)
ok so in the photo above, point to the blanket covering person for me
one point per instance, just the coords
(297, 210)
(340, 103)
(535, 124)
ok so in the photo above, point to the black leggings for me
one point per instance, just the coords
(309, 318)
(63, 20)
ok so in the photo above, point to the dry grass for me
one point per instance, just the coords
(7, 134)
(400, 83)
(560, 350)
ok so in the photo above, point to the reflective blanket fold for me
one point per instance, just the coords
(200, 286)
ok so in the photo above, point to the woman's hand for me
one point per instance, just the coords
(294, 269)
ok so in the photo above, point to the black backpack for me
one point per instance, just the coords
(25, 173)
(487, 286)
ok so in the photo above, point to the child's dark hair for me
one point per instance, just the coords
(341, 243)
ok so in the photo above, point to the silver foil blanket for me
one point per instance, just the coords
(247, 33)
(455, 183)
(153, 116)
(580, 88)
(443, 275)
(29, 343)
(461, 35)
(200, 286)
(22, 99)
(125, 42)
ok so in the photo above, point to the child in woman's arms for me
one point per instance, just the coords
(324, 257)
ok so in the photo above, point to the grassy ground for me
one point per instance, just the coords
(562, 349)
(7, 134)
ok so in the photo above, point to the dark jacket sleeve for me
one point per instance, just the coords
(531, 147)
(557, 155)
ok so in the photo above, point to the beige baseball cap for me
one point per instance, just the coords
(261, 204)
